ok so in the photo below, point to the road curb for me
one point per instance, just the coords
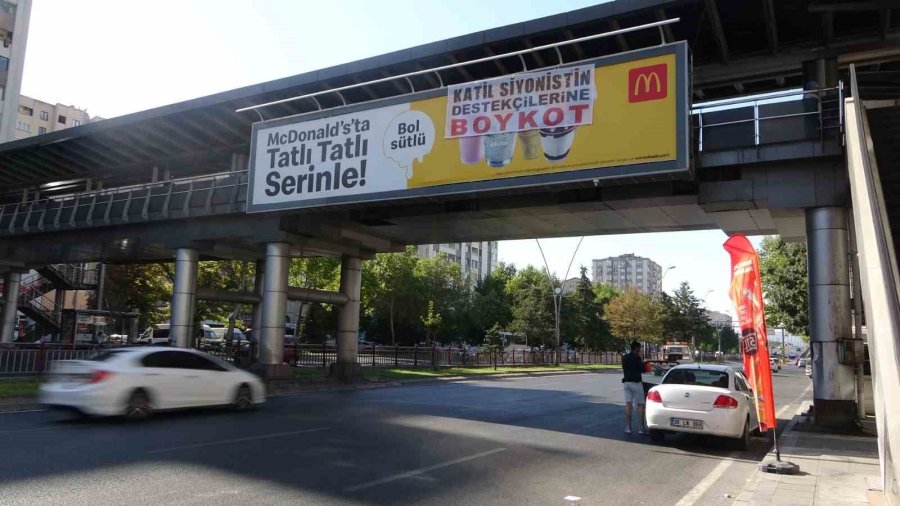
(446, 379)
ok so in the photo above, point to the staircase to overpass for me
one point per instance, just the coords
(873, 160)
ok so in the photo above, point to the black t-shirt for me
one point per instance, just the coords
(633, 367)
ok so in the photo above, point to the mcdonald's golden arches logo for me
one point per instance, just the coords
(648, 83)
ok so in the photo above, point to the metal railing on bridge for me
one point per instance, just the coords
(220, 193)
(790, 116)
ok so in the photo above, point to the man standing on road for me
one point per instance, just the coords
(633, 366)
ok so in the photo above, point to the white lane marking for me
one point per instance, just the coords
(17, 431)
(423, 470)
(697, 492)
(238, 440)
(21, 411)
(572, 498)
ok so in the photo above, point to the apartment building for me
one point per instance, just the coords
(628, 271)
(36, 117)
(476, 259)
(14, 18)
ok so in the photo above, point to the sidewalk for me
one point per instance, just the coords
(835, 470)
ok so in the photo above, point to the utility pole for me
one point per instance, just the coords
(558, 300)
(783, 351)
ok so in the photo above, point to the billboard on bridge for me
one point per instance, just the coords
(621, 116)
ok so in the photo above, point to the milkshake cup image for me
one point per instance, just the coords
(471, 149)
(557, 142)
(499, 148)
(531, 144)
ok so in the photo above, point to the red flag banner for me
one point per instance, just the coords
(746, 294)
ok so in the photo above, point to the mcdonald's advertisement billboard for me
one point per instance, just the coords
(620, 116)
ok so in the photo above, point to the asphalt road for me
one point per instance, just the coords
(533, 440)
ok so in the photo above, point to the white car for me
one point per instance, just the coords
(775, 364)
(702, 399)
(135, 382)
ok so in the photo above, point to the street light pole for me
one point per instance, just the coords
(669, 268)
(557, 298)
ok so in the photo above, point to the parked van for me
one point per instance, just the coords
(158, 334)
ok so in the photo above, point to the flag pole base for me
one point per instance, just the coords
(779, 467)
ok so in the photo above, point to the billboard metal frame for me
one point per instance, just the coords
(650, 170)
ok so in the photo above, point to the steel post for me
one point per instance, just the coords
(834, 385)
(347, 367)
(274, 305)
(182, 323)
(10, 301)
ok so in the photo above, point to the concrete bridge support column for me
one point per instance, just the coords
(10, 301)
(258, 284)
(183, 297)
(834, 386)
(274, 303)
(347, 366)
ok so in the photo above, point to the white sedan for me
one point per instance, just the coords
(135, 382)
(702, 399)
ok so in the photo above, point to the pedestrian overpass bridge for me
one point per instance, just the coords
(794, 115)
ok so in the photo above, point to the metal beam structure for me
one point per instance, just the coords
(271, 330)
(347, 367)
(183, 297)
(834, 389)
(712, 14)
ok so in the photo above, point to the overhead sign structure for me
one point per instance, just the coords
(619, 116)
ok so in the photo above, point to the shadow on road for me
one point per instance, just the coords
(328, 443)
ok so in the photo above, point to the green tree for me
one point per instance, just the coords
(532, 311)
(231, 275)
(493, 343)
(441, 282)
(432, 323)
(683, 318)
(390, 293)
(784, 281)
(144, 287)
(730, 340)
(491, 302)
(582, 317)
(604, 293)
(634, 316)
(316, 321)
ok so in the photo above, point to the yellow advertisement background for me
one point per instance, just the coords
(622, 133)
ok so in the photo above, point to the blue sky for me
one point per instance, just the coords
(113, 58)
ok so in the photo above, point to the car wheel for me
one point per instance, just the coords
(743, 442)
(243, 399)
(138, 407)
(657, 436)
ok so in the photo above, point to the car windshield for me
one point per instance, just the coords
(701, 377)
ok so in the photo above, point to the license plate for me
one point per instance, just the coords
(684, 423)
